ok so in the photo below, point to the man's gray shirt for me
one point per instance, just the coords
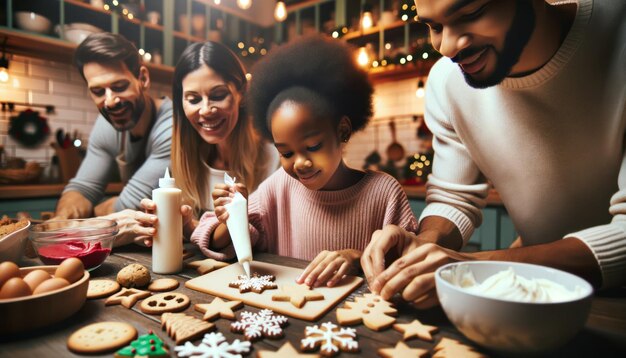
(147, 159)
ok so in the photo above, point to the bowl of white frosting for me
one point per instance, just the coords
(513, 307)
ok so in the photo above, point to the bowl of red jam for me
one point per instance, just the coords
(89, 240)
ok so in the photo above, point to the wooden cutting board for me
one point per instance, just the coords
(216, 283)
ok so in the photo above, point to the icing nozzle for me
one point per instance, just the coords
(246, 267)
(167, 181)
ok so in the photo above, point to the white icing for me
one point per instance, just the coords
(214, 345)
(329, 338)
(254, 282)
(256, 325)
(507, 285)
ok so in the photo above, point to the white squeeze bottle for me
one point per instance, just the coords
(167, 246)
(237, 224)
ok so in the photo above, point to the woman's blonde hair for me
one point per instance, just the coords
(248, 158)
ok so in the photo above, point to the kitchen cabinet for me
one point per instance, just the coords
(496, 232)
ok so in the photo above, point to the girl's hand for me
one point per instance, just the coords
(329, 267)
(223, 194)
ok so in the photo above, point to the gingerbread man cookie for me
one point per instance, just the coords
(255, 326)
(255, 283)
(165, 302)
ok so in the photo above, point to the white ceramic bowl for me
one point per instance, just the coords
(31, 21)
(12, 245)
(77, 35)
(509, 326)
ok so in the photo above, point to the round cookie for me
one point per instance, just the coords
(133, 275)
(102, 288)
(163, 285)
(165, 302)
(101, 337)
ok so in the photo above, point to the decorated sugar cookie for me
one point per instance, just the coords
(147, 345)
(255, 283)
(214, 345)
(330, 339)
(255, 326)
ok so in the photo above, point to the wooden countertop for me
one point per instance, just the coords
(419, 192)
(45, 190)
(603, 335)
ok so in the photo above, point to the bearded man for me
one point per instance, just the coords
(132, 135)
(530, 98)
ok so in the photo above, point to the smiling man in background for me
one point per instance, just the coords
(132, 135)
(531, 96)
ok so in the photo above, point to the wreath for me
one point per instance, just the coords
(29, 128)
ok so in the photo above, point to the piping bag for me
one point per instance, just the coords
(237, 224)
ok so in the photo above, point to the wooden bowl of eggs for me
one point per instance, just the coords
(34, 297)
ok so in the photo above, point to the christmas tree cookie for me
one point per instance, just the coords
(148, 345)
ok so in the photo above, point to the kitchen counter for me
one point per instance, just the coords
(419, 192)
(45, 190)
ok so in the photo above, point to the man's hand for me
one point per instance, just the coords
(413, 274)
(388, 243)
(73, 205)
(106, 207)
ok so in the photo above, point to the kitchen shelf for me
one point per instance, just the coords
(373, 30)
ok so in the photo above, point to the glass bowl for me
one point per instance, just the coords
(89, 240)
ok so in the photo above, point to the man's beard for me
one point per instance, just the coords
(136, 109)
(516, 39)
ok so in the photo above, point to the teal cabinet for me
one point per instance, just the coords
(34, 207)
(496, 231)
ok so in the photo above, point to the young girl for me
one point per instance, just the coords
(308, 98)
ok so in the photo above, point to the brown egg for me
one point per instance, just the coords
(34, 278)
(14, 287)
(8, 270)
(71, 269)
(51, 285)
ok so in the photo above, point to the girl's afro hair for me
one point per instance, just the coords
(325, 66)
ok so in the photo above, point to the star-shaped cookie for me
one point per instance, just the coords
(298, 295)
(416, 329)
(452, 348)
(401, 350)
(206, 265)
(286, 351)
(127, 297)
(218, 307)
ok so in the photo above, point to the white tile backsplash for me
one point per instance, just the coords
(50, 83)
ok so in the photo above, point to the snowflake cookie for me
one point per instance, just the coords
(330, 339)
(258, 325)
(214, 345)
(255, 283)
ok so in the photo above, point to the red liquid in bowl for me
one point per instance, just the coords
(91, 255)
